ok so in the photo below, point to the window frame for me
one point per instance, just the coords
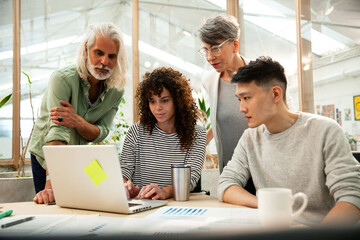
(232, 8)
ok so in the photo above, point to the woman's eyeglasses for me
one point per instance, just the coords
(214, 50)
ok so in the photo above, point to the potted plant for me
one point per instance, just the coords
(353, 140)
(17, 186)
(210, 172)
(203, 116)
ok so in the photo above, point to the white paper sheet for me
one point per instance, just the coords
(213, 219)
(166, 220)
(174, 212)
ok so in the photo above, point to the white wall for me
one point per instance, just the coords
(338, 83)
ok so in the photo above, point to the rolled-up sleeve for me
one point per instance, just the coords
(111, 104)
(58, 89)
(105, 123)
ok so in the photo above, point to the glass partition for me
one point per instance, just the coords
(51, 31)
(50, 34)
(6, 76)
(168, 35)
(269, 29)
(334, 33)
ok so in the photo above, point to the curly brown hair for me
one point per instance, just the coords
(185, 108)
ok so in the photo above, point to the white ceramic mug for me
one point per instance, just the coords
(275, 206)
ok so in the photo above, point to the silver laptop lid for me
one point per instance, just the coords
(87, 177)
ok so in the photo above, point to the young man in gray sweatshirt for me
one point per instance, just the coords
(300, 151)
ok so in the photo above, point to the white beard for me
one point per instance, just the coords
(98, 75)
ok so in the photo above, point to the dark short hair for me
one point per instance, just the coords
(219, 28)
(266, 73)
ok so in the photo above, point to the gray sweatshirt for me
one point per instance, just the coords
(312, 156)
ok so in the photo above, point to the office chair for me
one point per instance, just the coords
(356, 155)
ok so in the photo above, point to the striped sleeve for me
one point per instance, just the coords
(196, 155)
(128, 154)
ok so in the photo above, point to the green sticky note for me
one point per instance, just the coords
(95, 172)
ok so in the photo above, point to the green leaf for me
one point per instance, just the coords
(208, 126)
(27, 77)
(208, 113)
(5, 100)
(202, 105)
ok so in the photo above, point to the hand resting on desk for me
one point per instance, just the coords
(44, 196)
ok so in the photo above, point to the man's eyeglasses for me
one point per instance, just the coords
(214, 50)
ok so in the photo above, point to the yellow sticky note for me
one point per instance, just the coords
(95, 172)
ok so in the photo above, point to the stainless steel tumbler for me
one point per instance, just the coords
(180, 177)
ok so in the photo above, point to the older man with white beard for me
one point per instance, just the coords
(80, 101)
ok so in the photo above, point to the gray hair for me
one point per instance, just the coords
(107, 30)
(219, 28)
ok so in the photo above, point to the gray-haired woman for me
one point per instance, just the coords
(220, 37)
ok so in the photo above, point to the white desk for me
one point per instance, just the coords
(28, 208)
(132, 224)
(51, 219)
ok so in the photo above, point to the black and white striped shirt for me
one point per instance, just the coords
(147, 159)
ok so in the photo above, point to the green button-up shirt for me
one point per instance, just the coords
(65, 84)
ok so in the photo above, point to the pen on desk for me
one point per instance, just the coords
(6, 213)
(10, 224)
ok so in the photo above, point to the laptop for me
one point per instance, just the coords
(90, 177)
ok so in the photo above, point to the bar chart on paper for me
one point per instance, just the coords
(175, 212)
(184, 211)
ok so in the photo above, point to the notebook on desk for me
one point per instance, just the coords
(90, 177)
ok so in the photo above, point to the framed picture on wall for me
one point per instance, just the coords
(357, 108)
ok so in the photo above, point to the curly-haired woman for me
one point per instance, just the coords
(166, 134)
